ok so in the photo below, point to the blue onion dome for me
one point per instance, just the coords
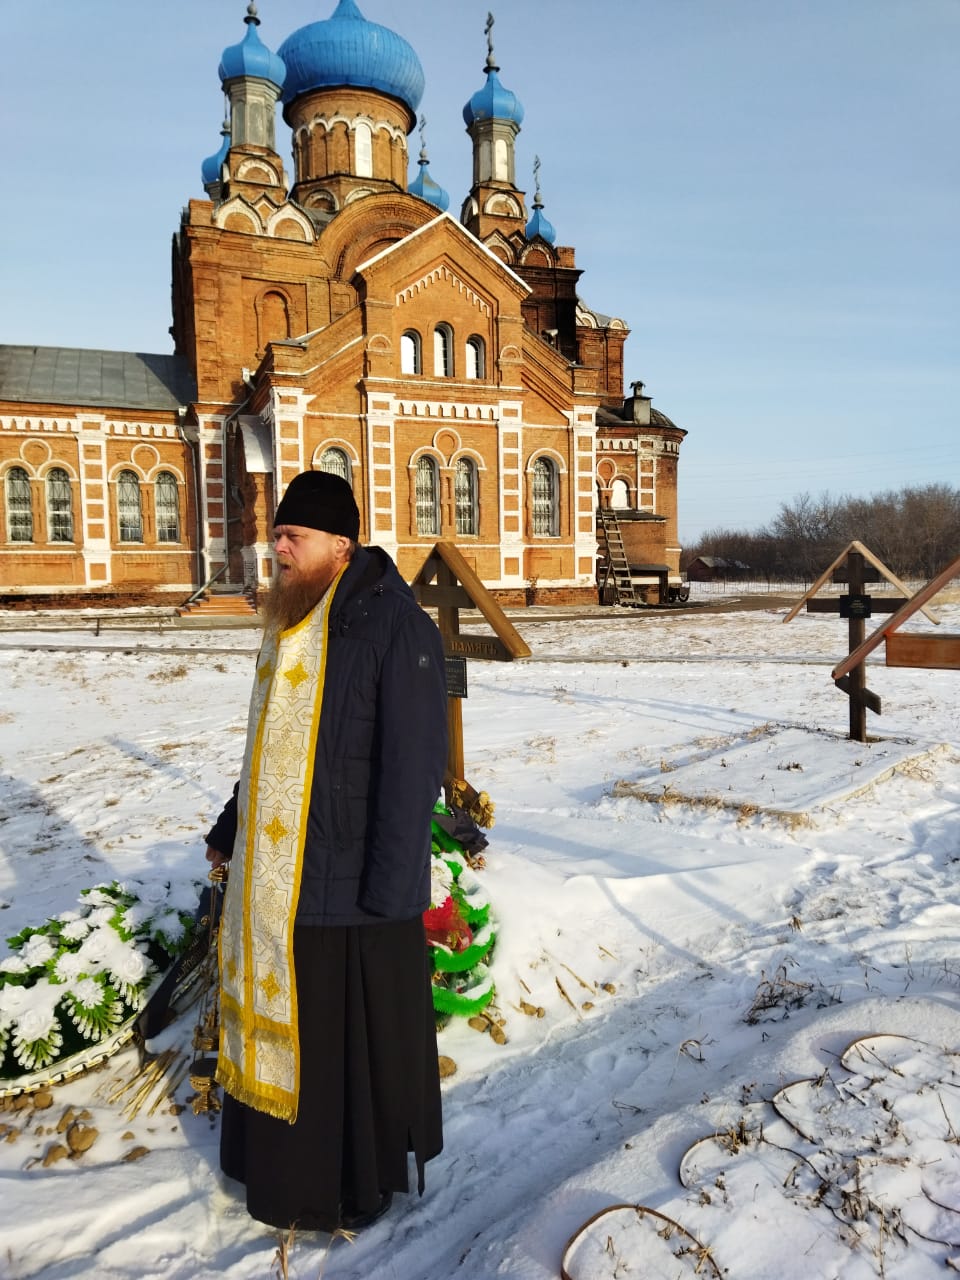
(540, 226)
(251, 57)
(423, 185)
(346, 49)
(210, 169)
(493, 102)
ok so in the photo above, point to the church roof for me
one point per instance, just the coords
(346, 49)
(108, 379)
(607, 417)
(427, 189)
(211, 167)
(540, 225)
(493, 102)
(251, 57)
(659, 419)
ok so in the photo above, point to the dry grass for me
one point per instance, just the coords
(777, 993)
(745, 811)
(170, 673)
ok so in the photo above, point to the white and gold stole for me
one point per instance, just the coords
(259, 1057)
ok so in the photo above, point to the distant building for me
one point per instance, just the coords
(711, 568)
(343, 321)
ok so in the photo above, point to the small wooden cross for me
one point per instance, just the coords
(855, 606)
(447, 582)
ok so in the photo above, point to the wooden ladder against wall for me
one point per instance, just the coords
(618, 568)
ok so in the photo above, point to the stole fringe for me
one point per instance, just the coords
(232, 1082)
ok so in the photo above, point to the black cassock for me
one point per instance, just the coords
(369, 1083)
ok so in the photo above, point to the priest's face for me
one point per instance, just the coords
(308, 560)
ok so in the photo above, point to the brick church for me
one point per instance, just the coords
(341, 319)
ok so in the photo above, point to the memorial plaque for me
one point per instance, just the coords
(858, 606)
(456, 676)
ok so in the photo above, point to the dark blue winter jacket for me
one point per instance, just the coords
(380, 757)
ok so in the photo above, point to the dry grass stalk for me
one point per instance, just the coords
(692, 1049)
(281, 1258)
(587, 986)
(778, 992)
(566, 997)
(950, 1129)
(176, 1079)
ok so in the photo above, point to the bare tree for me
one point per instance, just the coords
(915, 531)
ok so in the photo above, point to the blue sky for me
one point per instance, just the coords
(766, 191)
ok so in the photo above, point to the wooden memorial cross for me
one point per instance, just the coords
(911, 650)
(447, 583)
(855, 606)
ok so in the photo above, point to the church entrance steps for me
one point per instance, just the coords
(211, 604)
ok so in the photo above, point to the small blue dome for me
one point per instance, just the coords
(346, 49)
(210, 169)
(540, 226)
(493, 102)
(425, 187)
(251, 57)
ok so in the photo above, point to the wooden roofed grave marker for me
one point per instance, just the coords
(447, 583)
(856, 606)
(911, 649)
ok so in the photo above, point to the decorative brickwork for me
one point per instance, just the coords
(447, 368)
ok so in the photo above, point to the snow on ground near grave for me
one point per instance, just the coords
(693, 956)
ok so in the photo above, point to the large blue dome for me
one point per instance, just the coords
(346, 49)
(493, 102)
(251, 57)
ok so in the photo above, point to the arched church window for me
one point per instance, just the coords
(129, 508)
(167, 508)
(336, 463)
(19, 506)
(410, 359)
(465, 496)
(59, 506)
(427, 496)
(476, 357)
(619, 495)
(443, 351)
(546, 507)
(363, 149)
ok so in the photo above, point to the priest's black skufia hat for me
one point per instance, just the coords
(319, 500)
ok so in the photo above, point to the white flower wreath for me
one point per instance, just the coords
(73, 981)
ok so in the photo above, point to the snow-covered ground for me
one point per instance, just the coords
(708, 891)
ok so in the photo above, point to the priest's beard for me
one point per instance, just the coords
(290, 600)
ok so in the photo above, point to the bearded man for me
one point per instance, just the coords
(328, 1052)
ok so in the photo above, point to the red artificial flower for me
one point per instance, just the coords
(445, 926)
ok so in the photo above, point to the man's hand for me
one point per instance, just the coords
(215, 857)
